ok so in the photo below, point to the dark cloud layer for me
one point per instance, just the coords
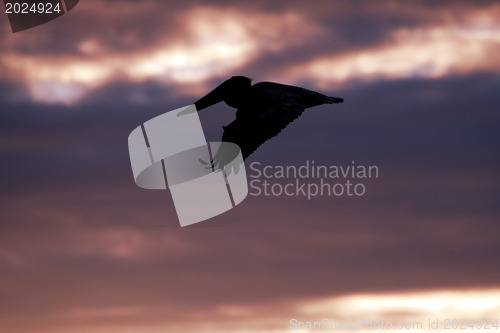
(418, 226)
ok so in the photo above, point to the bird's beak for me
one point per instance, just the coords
(213, 97)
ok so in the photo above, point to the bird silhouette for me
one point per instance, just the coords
(263, 111)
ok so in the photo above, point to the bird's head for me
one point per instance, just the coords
(237, 89)
(240, 81)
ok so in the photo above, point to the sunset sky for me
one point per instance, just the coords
(84, 250)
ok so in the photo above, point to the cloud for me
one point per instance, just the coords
(210, 42)
(359, 312)
(194, 45)
(428, 52)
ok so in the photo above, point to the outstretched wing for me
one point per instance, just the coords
(276, 106)
(250, 136)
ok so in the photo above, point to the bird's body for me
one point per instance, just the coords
(263, 110)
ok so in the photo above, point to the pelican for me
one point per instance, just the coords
(263, 111)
